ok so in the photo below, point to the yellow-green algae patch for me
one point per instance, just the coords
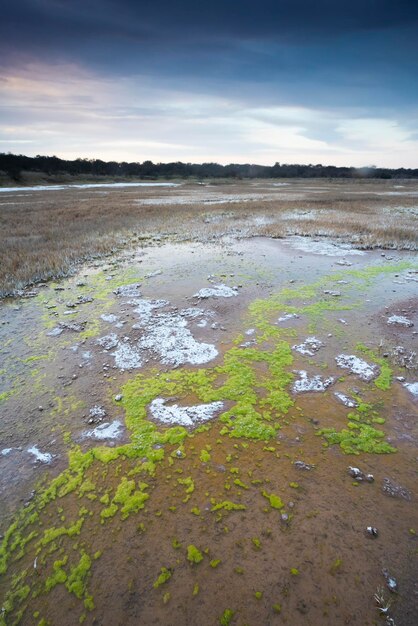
(275, 501)
(194, 555)
(165, 575)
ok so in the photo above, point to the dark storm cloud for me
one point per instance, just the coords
(80, 27)
(294, 45)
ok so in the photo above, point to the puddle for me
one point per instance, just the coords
(190, 425)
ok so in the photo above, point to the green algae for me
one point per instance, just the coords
(239, 483)
(215, 562)
(6, 394)
(226, 617)
(164, 576)
(227, 505)
(275, 501)
(188, 483)
(130, 498)
(256, 543)
(205, 456)
(194, 555)
(358, 438)
(59, 576)
(77, 577)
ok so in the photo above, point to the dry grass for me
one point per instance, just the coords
(45, 234)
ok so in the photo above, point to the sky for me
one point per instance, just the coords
(231, 81)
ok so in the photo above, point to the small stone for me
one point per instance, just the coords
(372, 531)
(40, 408)
(118, 397)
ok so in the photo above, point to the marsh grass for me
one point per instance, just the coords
(46, 234)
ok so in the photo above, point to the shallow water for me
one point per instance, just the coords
(85, 186)
(309, 561)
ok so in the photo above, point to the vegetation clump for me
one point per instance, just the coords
(163, 577)
(226, 617)
(193, 554)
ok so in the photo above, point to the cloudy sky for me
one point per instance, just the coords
(307, 81)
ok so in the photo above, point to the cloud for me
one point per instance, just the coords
(73, 112)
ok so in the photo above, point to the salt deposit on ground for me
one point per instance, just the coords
(108, 341)
(309, 346)
(127, 357)
(105, 431)
(288, 316)
(357, 366)
(313, 383)
(217, 291)
(412, 388)
(110, 318)
(42, 457)
(349, 402)
(164, 334)
(128, 291)
(324, 247)
(184, 415)
(169, 338)
(400, 320)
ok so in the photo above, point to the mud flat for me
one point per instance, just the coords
(218, 434)
(47, 231)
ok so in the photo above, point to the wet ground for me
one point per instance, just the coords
(177, 427)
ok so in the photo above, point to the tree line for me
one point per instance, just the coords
(14, 165)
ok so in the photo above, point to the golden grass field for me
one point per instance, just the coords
(44, 234)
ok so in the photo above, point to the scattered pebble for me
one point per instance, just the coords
(301, 465)
(394, 490)
(360, 476)
(96, 414)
